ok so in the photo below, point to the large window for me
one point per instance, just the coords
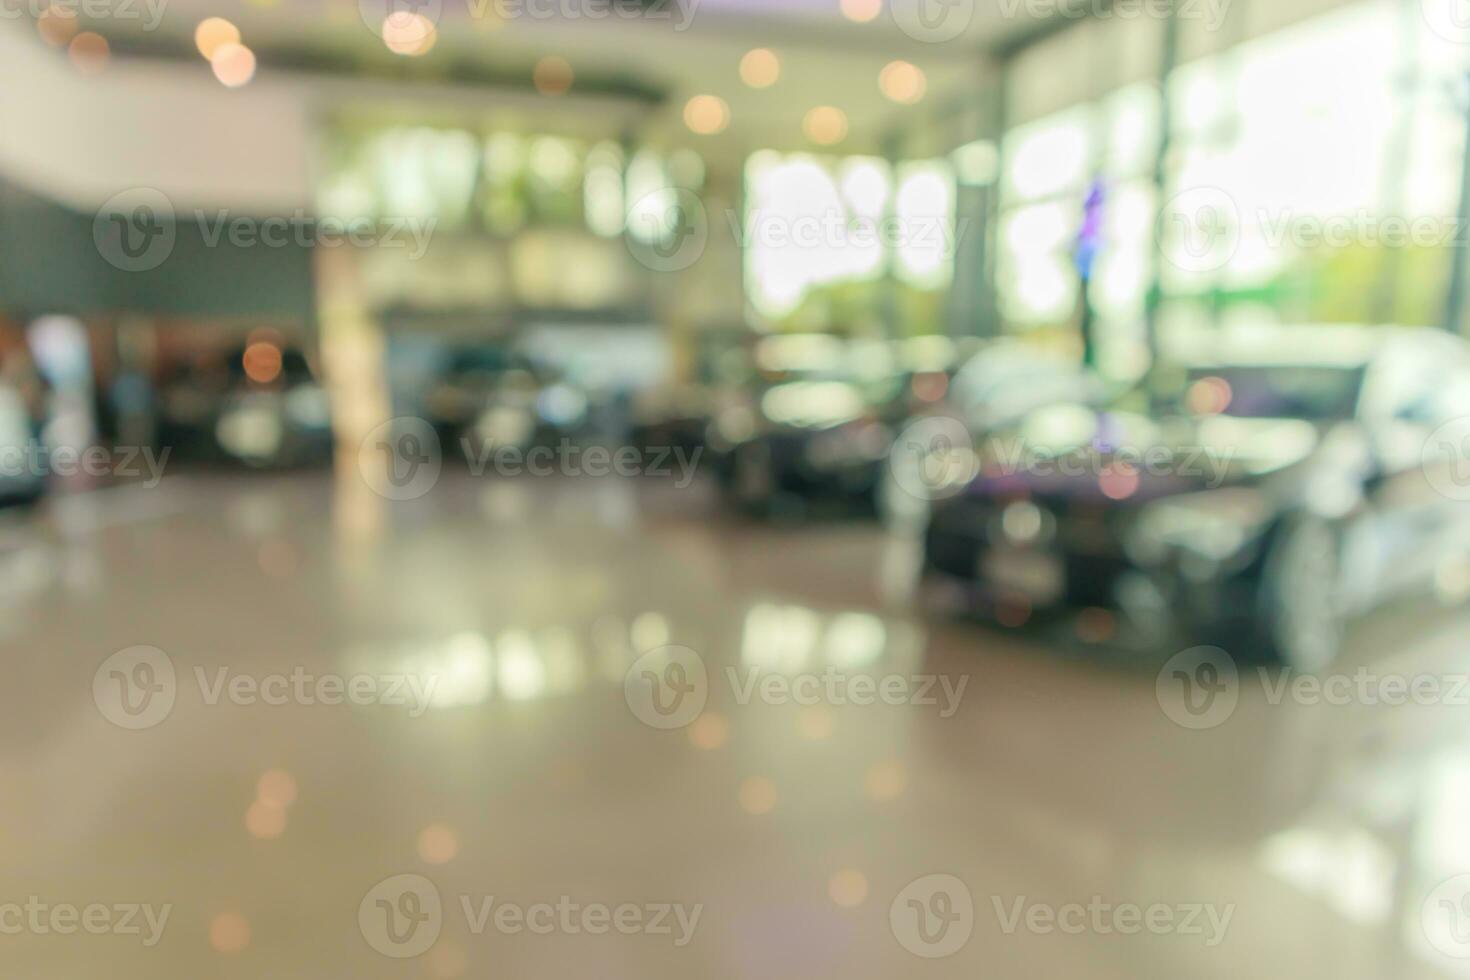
(819, 233)
(1313, 176)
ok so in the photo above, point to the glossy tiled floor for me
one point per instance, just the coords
(1290, 840)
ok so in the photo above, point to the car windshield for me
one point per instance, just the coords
(1305, 392)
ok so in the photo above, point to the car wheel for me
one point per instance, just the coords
(1303, 611)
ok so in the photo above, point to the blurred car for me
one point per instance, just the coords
(816, 424)
(828, 427)
(999, 384)
(489, 398)
(1283, 490)
(274, 412)
(21, 479)
(676, 418)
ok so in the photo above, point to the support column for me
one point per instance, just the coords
(1169, 57)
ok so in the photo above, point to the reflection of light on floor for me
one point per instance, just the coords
(884, 781)
(816, 722)
(565, 661)
(274, 792)
(848, 888)
(650, 631)
(265, 821)
(757, 796)
(229, 932)
(438, 844)
(276, 787)
(791, 639)
(521, 672)
(900, 565)
(854, 639)
(463, 671)
(779, 638)
(610, 641)
(447, 961)
(505, 501)
(709, 731)
(1349, 870)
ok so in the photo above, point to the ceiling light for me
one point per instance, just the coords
(902, 82)
(706, 114)
(760, 68)
(213, 32)
(825, 125)
(408, 33)
(233, 64)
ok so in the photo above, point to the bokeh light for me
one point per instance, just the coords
(262, 362)
(229, 932)
(1209, 396)
(760, 68)
(438, 844)
(265, 821)
(408, 33)
(710, 730)
(57, 25)
(552, 75)
(276, 787)
(706, 114)
(861, 11)
(848, 888)
(213, 32)
(825, 125)
(902, 82)
(757, 796)
(233, 64)
(816, 722)
(884, 781)
(89, 53)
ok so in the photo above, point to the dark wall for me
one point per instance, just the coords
(49, 263)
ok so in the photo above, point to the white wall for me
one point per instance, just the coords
(81, 139)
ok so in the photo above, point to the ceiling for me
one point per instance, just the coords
(683, 48)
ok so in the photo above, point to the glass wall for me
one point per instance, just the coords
(823, 235)
(1312, 176)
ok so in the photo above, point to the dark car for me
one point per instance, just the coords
(275, 412)
(21, 472)
(1298, 478)
(485, 397)
(816, 425)
(1004, 381)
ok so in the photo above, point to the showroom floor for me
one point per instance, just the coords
(428, 739)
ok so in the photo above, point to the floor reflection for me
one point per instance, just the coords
(846, 745)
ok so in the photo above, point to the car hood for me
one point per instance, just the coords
(1071, 451)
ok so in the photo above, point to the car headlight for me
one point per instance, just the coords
(1214, 524)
